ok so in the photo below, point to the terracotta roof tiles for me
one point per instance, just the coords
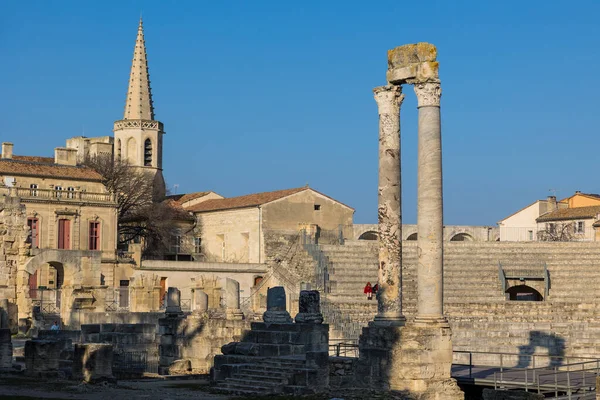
(39, 166)
(250, 200)
(570, 213)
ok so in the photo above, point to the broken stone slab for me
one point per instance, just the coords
(309, 306)
(179, 367)
(232, 300)
(240, 348)
(173, 301)
(92, 362)
(276, 307)
(201, 301)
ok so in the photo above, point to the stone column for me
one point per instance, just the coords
(429, 209)
(389, 298)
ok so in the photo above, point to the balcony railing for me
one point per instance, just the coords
(58, 195)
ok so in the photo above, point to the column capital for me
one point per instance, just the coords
(389, 98)
(428, 94)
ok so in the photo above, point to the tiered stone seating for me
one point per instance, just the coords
(482, 319)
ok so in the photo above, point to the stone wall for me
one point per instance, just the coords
(197, 339)
(6, 350)
(13, 252)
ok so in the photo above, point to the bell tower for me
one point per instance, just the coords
(139, 136)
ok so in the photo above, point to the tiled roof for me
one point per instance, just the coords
(25, 165)
(570, 213)
(179, 213)
(250, 200)
(185, 197)
(35, 159)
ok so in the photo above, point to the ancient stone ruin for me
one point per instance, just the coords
(395, 354)
(277, 355)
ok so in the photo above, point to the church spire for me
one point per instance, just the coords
(138, 104)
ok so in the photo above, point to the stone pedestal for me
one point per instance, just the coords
(6, 350)
(92, 362)
(276, 307)
(415, 358)
(173, 301)
(42, 358)
(232, 299)
(201, 301)
(309, 307)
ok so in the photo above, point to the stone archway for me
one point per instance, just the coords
(524, 293)
(462, 237)
(369, 235)
(73, 269)
(413, 236)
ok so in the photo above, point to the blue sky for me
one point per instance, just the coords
(266, 95)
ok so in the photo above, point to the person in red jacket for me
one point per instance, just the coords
(368, 290)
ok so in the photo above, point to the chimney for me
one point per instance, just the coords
(552, 203)
(7, 150)
(578, 192)
(65, 156)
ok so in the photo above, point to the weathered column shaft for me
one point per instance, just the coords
(389, 299)
(430, 205)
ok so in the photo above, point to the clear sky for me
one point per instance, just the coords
(266, 95)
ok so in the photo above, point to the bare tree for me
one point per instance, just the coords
(143, 214)
(557, 232)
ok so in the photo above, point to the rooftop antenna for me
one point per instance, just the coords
(554, 191)
(175, 187)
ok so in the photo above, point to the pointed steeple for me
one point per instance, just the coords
(138, 104)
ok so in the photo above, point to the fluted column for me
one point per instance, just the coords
(430, 205)
(389, 298)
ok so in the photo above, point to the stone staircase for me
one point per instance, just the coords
(268, 376)
(567, 322)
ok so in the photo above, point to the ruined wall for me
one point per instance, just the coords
(13, 252)
(197, 339)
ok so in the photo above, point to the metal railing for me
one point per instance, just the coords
(117, 300)
(45, 301)
(343, 347)
(562, 375)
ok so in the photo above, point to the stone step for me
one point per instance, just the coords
(256, 383)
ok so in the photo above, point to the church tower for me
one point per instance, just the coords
(138, 136)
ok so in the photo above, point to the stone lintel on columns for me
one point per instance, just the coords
(428, 94)
(412, 63)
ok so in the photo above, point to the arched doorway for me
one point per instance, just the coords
(369, 235)
(461, 237)
(413, 236)
(524, 293)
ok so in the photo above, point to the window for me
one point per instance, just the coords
(64, 234)
(94, 236)
(580, 227)
(530, 235)
(58, 191)
(70, 192)
(33, 189)
(148, 153)
(317, 207)
(34, 227)
(197, 245)
(118, 149)
(175, 244)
